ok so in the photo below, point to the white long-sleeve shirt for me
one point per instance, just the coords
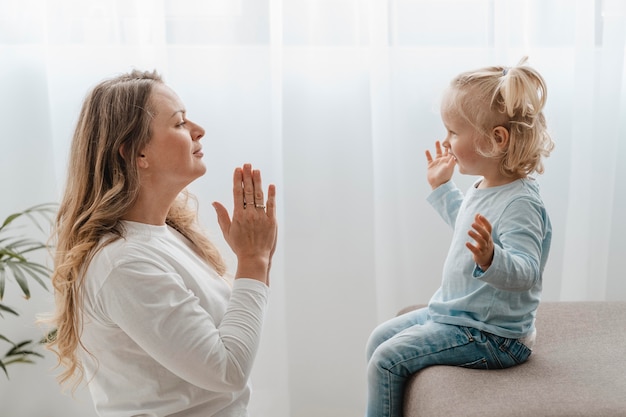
(168, 335)
(502, 300)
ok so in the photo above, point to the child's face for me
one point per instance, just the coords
(461, 141)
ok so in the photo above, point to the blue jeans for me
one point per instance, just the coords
(405, 344)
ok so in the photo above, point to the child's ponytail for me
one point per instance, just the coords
(523, 91)
(522, 95)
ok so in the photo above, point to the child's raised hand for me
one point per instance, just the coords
(482, 248)
(441, 168)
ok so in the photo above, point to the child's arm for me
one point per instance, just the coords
(516, 245)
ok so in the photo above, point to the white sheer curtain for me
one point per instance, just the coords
(336, 101)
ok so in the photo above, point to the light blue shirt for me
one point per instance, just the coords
(502, 300)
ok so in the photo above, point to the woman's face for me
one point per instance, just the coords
(173, 156)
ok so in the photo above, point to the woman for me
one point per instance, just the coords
(143, 313)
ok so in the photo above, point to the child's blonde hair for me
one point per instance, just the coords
(510, 97)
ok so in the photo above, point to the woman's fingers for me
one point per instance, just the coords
(271, 201)
(223, 218)
(259, 200)
(252, 230)
(248, 186)
(238, 190)
(252, 186)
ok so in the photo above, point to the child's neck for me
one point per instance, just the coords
(496, 182)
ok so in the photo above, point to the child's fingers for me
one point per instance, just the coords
(482, 220)
(475, 251)
(438, 151)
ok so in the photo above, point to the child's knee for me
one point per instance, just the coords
(376, 363)
(372, 343)
(382, 357)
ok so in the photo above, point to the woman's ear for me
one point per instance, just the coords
(122, 151)
(142, 161)
(501, 136)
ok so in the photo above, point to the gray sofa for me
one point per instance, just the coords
(577, 368)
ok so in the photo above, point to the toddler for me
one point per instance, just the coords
(483, 314)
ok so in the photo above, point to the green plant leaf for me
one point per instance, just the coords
(46, 210)
(36, 271)
(49, 337)
(4, 368)
(16, 347)
(15, 250)
(25, 353)
(8, 310)
(20, 278)
(2, 280)
(10, 218)
(6, 340)
(22, 359)
(11, 252)
(18, 353)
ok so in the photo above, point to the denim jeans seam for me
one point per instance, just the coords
(505, 346)
(390, 369)
(387, 405)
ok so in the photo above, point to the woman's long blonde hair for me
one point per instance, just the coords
(102, 184)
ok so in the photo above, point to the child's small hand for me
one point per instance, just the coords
(482, 248)
(441, 168)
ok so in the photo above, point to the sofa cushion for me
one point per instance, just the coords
(577, 368)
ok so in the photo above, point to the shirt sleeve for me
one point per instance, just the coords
(518, 246)
(447, 200)
(165, 319)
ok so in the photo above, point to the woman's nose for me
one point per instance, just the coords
(197, 132)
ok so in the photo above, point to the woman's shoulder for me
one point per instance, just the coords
(121, 255)
(136, 243)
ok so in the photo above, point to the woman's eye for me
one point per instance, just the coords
(183, 123)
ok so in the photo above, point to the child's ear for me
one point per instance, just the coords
(501, 136)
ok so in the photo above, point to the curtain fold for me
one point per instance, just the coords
(335, 101)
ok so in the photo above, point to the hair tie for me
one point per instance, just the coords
(505, 71)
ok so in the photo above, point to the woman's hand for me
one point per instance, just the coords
(482, 248)
(441, 168)
(253, 230)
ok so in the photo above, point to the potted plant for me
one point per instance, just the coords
(16, 264)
